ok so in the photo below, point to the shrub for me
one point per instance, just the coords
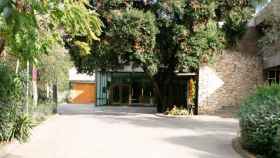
(21, 129)
(14, 124)
(10, 84)
(260, 121)
(178, 111)
(7, 115)
(42, 111)
(277, 143)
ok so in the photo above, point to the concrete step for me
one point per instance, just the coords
(69, 109)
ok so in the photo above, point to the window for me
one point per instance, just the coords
(273, 76)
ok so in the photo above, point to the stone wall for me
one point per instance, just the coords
(232, 77)
(269, 11)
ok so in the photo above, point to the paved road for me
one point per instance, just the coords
(129, 136)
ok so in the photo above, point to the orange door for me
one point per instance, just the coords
(83, 93)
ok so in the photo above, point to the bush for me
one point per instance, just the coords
(277, 143)
(21, 129)
(178, 111)
(42, 111)
(7, 115)
(260, 122)
(10, 84)
(13, 123)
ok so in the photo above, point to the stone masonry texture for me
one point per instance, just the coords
(232, 77)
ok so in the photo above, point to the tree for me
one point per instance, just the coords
(270, 29)
(29, 28)
(10, 89)
(163, 37)
(53, 69)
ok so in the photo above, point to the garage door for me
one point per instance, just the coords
(83, 93)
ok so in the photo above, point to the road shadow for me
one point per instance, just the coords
(152, 121)
(83, 109)
(212, 145)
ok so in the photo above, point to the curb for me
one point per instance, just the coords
(2, 154)
(5, 147)
(4, 150)
(238, 148)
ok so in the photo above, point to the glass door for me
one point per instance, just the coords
(120, 94)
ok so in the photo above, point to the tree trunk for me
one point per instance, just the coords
(156, 89)
(159, 97)
(163, 94)
(196, 94)
(47, 91)
(34, 86)
(27, 88)
(17, 66)
(2, 45)
(160, 83)
(55, 97)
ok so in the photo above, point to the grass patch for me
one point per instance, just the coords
(43, 111)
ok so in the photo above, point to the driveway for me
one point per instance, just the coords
(131, 135)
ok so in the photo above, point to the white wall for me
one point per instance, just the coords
(75, 76)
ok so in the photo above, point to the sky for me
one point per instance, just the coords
(260, 7)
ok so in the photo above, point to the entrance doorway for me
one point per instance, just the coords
(119, 94)
(130, 89)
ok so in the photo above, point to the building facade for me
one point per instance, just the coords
(82, 88)
(223, 85)
(124, 88)
(130, 86)
(237, 73)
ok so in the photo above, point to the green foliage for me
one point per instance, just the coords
(260, 121)
(11, 84)
(206, 42)
(130, 37)
(276, 146)
(235, 14)
(20, 30)
(113, 4)
(13, 123)
(269, 42)
(53, 68)
(21, 128)
(43, 110)
(200, 11)
(137, 29)
(31, 27)
(236, 24)
(162, 37)
(188, 33)
(7, 113)
(77, 19)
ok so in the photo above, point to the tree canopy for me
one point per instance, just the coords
(270, 29)
(163, 36)
(54, 68)
(31, 27)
